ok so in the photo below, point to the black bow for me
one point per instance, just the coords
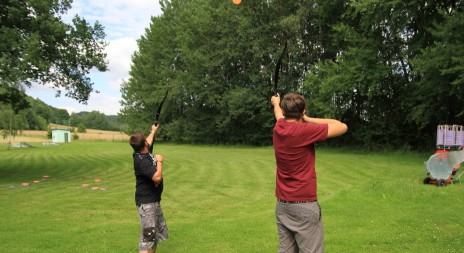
(277, 69)
(158, 112)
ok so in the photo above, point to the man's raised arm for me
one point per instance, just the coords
(275, 101)
(336, 128)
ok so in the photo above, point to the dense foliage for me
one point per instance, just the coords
(37, 116)
(94, 120)
(392, 70)
(38, 47)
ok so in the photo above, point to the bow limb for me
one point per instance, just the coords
(158, 113)
(277, 69)
(161, 107)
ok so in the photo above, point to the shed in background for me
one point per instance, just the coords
(60, 135)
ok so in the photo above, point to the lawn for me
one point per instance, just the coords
(219, 199)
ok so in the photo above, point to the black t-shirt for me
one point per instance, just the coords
(144, 169)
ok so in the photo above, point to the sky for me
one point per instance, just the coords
(125, 21)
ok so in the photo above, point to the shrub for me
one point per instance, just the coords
(81, 128)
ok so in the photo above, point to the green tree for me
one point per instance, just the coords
(37, 46)
(14, 96)
(13, 100)
(374, 84)
(208, 52)
(96, 120)
(34, 121)
(93, 119)
(440, 73)
(12, 123)
(392, 70)
(81, 128)
(76, 118)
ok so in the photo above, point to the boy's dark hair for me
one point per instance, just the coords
(293, 105)
(137, 141)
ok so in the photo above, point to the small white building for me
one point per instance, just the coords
(60, 135)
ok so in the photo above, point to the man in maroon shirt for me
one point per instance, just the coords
(298, 214)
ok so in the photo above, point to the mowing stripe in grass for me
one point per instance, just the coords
(219, 199)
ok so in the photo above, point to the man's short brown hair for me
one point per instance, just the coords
(137, 141)
(293, 105)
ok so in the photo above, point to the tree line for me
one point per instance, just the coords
(392, 70)
(96, 120)
(38, 116)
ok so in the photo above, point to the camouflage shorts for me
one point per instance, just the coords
(154, 229)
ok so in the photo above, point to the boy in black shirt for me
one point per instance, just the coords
(148, 189)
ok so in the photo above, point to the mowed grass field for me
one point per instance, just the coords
(219, 199)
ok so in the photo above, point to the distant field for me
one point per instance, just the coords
(90, 134)
(219, 199)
